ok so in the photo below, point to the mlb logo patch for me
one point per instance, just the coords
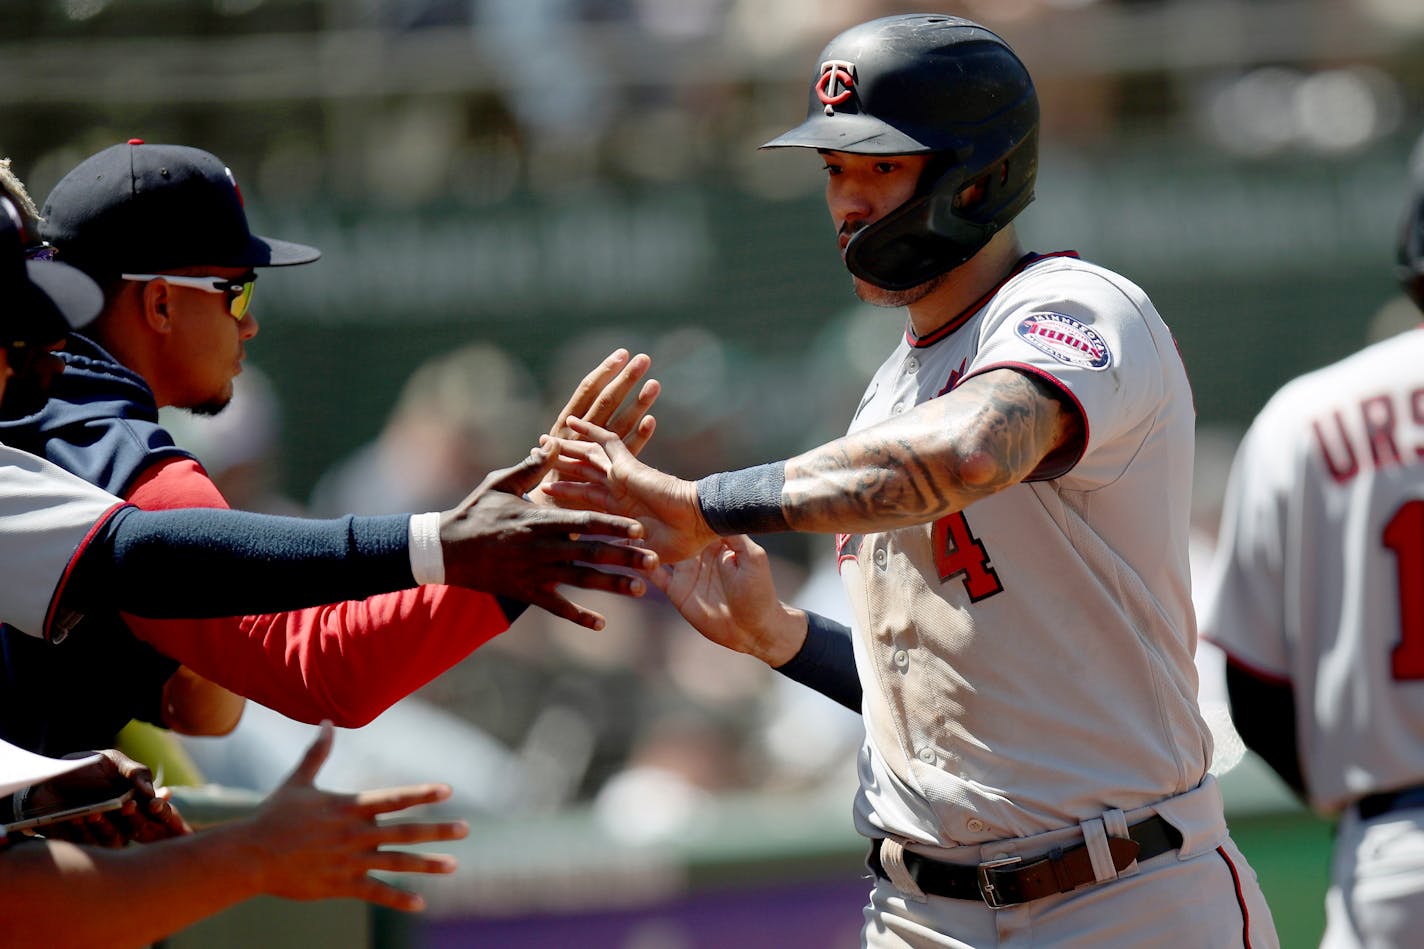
(1065, 339)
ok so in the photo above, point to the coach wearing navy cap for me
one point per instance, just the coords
(163, 231)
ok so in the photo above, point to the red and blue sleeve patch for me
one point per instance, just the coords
(1067, 340)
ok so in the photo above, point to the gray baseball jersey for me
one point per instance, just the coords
(1027, 663)
(1319, 575)
(46, 514)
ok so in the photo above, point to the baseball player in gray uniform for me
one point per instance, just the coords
(1011, 510)
(1317, 598)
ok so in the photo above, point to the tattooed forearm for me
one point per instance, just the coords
(1018, 423)
(858, 481)
(989, 433)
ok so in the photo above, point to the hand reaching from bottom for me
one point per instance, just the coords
(727, 594)
(311, 844)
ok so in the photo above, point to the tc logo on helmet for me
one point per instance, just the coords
(836, 83)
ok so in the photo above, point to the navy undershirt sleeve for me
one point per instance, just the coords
(1264, 714)
(826, 662)
(197, 563)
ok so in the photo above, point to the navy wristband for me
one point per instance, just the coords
(826, 662)
(744, 502)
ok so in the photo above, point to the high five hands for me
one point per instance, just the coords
(508, 537)
(600, 473)
(722, 586)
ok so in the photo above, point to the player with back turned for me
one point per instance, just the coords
(1317, 597)
(1011, 511)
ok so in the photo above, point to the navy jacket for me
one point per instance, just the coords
(101, 423)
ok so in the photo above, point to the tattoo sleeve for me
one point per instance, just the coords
(990, 432)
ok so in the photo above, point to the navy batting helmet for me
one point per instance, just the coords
(1410, 254)
(917, 84)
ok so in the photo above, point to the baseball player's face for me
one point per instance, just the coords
(206, 348)
(862, 189)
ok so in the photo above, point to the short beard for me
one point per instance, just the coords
(879, 296)
(211, 407)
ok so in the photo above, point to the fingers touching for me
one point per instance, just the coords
(523, 477)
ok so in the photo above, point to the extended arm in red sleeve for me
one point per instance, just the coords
(351, 661)
(346, 661)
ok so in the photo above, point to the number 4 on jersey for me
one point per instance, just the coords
(958, 553)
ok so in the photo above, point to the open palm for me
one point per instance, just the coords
(727, 594)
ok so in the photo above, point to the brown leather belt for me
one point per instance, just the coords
(1011, 881)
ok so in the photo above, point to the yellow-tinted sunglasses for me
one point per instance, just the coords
(239, 292)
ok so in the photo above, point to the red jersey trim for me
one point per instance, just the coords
(1024, 262)
(58, 594)
(1240, 897)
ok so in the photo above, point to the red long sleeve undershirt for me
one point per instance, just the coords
(346, 661)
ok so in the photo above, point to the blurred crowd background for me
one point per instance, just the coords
(505, 190)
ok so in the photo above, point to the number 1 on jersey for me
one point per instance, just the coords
(1404, 534)
(958, 553)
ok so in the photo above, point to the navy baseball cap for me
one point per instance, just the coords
(40, 300)
(139, 208)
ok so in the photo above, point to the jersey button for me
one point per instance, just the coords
(902, 658)
(927, 755)
(976, 825)
(897, 408)
(881, 557)
(912, 365)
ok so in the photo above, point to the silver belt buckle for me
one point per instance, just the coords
(987, 889)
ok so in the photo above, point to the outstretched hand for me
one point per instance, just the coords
(318, 844)
(727, 594)
(599, 399)
(601, 474)
(498, 542)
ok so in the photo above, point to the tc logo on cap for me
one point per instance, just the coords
(836, 83)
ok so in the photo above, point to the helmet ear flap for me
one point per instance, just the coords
(919, 240)
(930, 234)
